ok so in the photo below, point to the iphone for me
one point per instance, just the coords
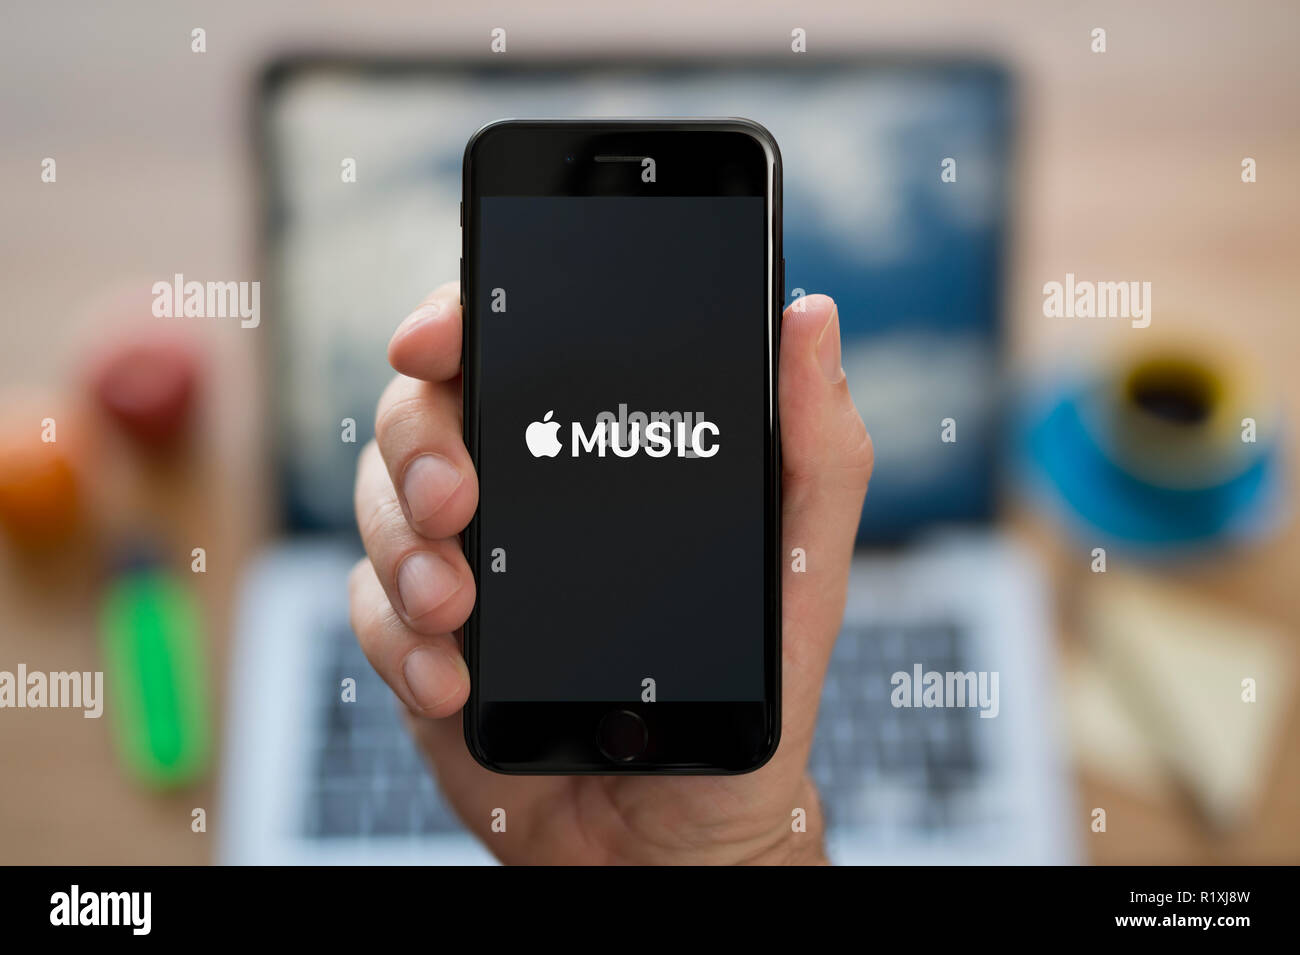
(622, 284)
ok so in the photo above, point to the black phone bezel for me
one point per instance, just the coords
(592, 157)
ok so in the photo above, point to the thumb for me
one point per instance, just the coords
(826, 463)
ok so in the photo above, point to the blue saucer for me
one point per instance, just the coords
(1105, 498)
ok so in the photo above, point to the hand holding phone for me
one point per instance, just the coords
(826, 459)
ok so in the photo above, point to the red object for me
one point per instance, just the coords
(148, 388)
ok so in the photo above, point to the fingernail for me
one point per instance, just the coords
(828, 348)
(424, 582)
(424, 313)
(431, 676)
(429, 480)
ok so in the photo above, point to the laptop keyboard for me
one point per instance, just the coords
(877, 768)
(883, 768)
(368, 779)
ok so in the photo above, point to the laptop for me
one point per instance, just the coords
(873, 216)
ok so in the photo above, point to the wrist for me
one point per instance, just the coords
(802, 845)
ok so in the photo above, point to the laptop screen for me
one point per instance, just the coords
(895, 204)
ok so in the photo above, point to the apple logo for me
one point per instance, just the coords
(541, 438)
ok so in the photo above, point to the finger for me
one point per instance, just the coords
(427, 343)
(428, 582)
(418, 432)
(426, 672)
(826, 463)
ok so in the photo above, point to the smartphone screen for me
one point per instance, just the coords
(620, 409)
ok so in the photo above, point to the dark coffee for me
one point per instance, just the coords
(1178, 394)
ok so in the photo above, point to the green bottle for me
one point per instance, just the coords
(155, 676)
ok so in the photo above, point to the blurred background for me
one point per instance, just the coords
(1097, 511)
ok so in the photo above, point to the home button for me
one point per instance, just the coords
(622, 735)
